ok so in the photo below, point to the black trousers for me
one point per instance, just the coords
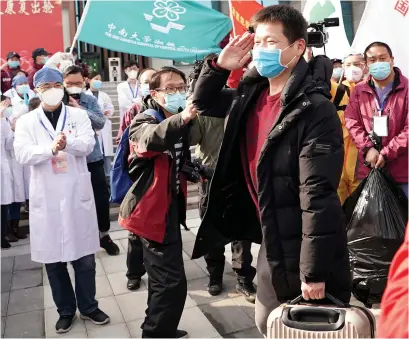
(4, 219)
(101, 194)
(167, 285)
(134, 259)
(241, 251)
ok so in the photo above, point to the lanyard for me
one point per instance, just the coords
(63, 123)
(134, 95)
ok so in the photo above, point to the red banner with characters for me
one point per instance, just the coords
(241, 13)
(30, 24)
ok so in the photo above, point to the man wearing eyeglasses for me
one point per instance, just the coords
(155, 205)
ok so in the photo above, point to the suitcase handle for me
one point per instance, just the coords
(336, 301)
(316, 319)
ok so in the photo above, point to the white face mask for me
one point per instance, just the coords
(52, 97)
(132, 74)
(353, 73)
(74, 90)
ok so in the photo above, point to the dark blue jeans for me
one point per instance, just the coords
(63, 294)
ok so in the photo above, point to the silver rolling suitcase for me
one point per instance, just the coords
(295, 320)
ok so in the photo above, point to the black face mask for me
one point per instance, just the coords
(75, 96)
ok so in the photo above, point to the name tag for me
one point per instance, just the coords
(380, 125)
(59, 163)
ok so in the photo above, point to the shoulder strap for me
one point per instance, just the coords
(339, 95)
(154, 114)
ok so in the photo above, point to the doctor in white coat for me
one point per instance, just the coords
(54, 140)
(19, 94)
(105, 134)
(128, 91)
(6, 194)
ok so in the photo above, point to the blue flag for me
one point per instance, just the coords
(167, 29)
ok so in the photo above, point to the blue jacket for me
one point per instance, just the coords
(95, 114)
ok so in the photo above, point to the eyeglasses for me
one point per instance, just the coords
(173, 90)
(45, 87)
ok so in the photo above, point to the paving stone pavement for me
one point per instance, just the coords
(29, 311)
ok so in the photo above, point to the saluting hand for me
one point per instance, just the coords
(3, 105)
(236, 53)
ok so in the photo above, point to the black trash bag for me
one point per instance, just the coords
(376, 229)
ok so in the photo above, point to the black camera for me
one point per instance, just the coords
(317, 37)
(195, 171)
(194, 75)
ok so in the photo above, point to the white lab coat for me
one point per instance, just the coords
(126, 98)
(105, 134)
(6, 173)
(63, 220)
(19, 192)
(17, 102)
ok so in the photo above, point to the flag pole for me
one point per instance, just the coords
(231, 17)
(77, 33)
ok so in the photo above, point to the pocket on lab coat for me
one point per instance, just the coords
(85, 192)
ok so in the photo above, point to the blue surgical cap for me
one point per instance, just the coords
(18, 80)
(47, 74)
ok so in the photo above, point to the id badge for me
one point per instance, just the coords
(380, 125)
(59, 163)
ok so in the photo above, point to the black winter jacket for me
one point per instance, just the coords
(302, 223)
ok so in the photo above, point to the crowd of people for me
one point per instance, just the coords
(285, 146)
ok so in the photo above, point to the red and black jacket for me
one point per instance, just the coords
(152, 167)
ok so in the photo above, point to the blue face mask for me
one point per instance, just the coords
(337, 72)
(22, 89)
(268, 61)
(13, 63)
(96, 84)
(145, 90)
(380, 70)
(175, 101)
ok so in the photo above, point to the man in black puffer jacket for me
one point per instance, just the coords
(279, 164)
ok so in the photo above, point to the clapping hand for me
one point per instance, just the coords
(60, 143)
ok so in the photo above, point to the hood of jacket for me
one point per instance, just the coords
(312, 77)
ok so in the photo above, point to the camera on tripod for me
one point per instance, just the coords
(318, 38)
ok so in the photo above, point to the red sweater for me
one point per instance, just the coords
(258, 127)
(393, 322)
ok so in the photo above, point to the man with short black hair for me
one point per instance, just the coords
(155, 205)
(279, 164)
(74, 84)
(380, 105)
(128, 91)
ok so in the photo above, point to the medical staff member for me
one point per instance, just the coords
(128, 91)
(54, 140)
(6, 194)
(20, 94)
(74, 83)
(105, 134)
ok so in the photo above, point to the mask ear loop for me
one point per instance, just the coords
(282, 50)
